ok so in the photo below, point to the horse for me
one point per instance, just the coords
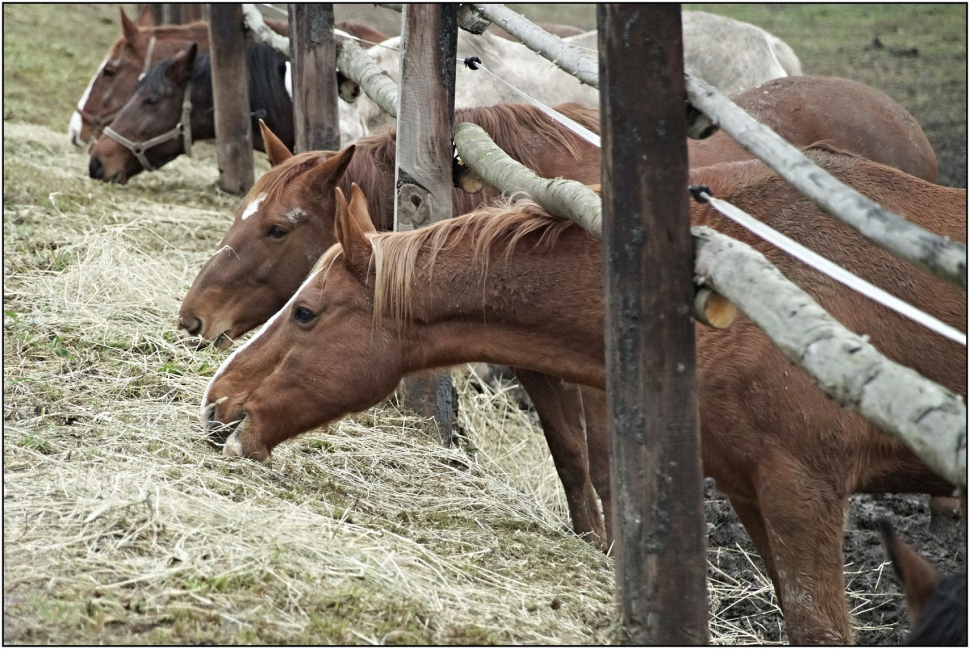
(263, 258)
(741, 56)
(515, 286)
(936, 604)
(286, 222)
(149, 131)
(142, 45)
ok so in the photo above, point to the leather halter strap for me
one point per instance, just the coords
(183, 129)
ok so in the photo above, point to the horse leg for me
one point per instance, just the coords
(559, 407)
(750, 516)
(598, 447)
(803, 518)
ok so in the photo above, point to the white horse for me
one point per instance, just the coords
(729, 54)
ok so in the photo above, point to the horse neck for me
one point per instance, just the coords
(203, 113)
(540, 308)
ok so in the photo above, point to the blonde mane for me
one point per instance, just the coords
(396, 256)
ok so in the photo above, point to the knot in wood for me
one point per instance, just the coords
(413, 206)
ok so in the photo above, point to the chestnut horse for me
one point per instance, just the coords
(130, 57)
(936, 604)
(148, 132)
(514, 286)
(264, 256)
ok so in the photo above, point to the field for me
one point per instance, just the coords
(121, 525)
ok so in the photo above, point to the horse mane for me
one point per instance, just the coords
(395, 255)
(513, 127)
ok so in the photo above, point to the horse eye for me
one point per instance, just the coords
(302, 314)
(150, 101)
(108, 72)
(276, 232)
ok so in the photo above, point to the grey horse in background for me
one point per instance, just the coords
(729, 54)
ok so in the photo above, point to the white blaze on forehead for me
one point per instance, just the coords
(295, 214)
(74, 128)
(288, 80)
(253, 206)
(225, 363)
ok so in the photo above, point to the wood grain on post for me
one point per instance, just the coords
(314, 60)
(230, 95)
(655, 451)
(426, 106)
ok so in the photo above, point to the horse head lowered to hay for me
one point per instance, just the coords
(142, 45)
(936, 604)
(172, 106)
(514, 286)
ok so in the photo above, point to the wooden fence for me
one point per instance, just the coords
(661, 613)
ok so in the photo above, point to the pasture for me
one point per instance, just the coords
(121, 525)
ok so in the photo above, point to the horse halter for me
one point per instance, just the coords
(183, 129)
(101, 121)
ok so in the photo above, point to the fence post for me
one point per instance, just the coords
(426, 102)
(314, 59)
(650, 351)
(230, 96)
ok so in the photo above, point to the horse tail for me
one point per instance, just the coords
(785, 55)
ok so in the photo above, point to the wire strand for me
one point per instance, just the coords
(839, 274)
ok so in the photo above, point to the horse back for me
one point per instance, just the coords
(853, 116)
(941, 210)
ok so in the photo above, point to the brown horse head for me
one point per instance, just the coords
(254, 404)
(150, 112)
(523, 131)
(281, 228)
(141, 45)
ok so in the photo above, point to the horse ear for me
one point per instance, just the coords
(351, 234)
(129, 28)
(358, 209)
(919, 577)
(147, 17)
(275, 149)
(325, 176)
(181, 69)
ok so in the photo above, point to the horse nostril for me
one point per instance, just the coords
(191, 324)
(95, 168)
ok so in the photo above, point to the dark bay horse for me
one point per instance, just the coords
(141, 46)
(514, 286)
(146, 132)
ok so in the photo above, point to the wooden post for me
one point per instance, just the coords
(426, 103)
(230, 95)
(191, 12)
(650, 354)
(314, 58)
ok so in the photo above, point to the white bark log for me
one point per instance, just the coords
(938, 255)
(565, 198)
(259, 31)
(927, 417)
(570, 58)
(358, 65)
